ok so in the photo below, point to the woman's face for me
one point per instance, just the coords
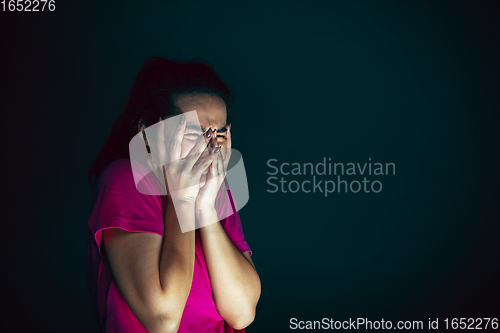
(211, 112)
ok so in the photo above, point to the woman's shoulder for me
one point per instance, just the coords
(130, 176)
(117, 172)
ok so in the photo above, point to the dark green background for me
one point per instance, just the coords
(414, 83)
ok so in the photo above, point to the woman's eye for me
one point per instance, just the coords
(221, 136)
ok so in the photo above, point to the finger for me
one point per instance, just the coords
(174, 151)
(220, 163)
(228, 136)
(213, 169)
(203, 165)
(156, 170)
(227, 151)
(201, 147)
(213, 141)
(160, 144)
(227, 156)
(216, 162)
(205, 160)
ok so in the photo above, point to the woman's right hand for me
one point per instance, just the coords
(182, 174)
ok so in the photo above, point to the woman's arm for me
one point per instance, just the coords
(154, 275)
(235, 282)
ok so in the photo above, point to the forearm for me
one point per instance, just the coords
(235, 282)
(177, 258)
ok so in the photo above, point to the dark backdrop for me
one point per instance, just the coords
(412, 83)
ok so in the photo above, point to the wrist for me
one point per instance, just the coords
(183, 209)
(206, 216)
(180, 202)
(205, 210)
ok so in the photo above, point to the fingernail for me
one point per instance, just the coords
(182, 119)
(216, 150)
(209, 133)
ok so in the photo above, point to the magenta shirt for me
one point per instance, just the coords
(116, 203)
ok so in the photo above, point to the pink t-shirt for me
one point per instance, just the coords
(116, 203)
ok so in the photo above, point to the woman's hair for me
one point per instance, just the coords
(153, 95)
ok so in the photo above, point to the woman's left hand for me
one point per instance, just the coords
(215, 177)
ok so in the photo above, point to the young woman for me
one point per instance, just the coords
(144, 274)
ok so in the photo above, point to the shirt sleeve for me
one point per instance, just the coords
(232, 223)
(118, 204)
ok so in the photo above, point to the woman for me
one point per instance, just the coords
(144, 273)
